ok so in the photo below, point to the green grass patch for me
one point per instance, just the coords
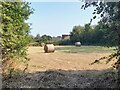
(85, 49)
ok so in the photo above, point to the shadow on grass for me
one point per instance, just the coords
(63, 79)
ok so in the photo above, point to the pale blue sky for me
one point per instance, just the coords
(57, 18)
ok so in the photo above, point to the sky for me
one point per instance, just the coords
(57, 18)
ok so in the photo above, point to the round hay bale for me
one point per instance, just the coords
(42, 44)
(77, 44)
(48, 48)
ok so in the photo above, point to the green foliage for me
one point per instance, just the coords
(65, 42)
(110, 14)
(37, 38)
(53, 42)
(87, 35)
(76, 34)
(31, 38)
(46, 38)
(40, 39)
(110, 21)
(15, 30)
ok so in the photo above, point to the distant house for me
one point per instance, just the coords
(65, 36)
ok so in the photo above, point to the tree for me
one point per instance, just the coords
(86, 35)
(15, 31)
(87, 27)
(37, 38)
(76, 33)
(31, 38)
(46, 38)
(110, 18)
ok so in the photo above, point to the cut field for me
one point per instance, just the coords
(68, 58)
(67, 67)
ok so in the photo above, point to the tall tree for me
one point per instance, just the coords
(76, 33)
(110, 14)
(87, 27)
(15, 31)
(37, 38)
(46, 38)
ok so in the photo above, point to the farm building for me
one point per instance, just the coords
(65, 36)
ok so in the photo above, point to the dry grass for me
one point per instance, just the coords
(41, 61)
(76, 71)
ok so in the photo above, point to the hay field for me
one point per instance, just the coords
(67, 67)
(68, 58)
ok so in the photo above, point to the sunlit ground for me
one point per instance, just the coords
(68, 58)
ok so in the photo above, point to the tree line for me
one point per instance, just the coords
(92, 35)
(87, 35)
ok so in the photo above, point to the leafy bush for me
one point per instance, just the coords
(15, 31)
(65, 42)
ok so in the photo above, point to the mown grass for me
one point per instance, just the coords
(85, 49)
